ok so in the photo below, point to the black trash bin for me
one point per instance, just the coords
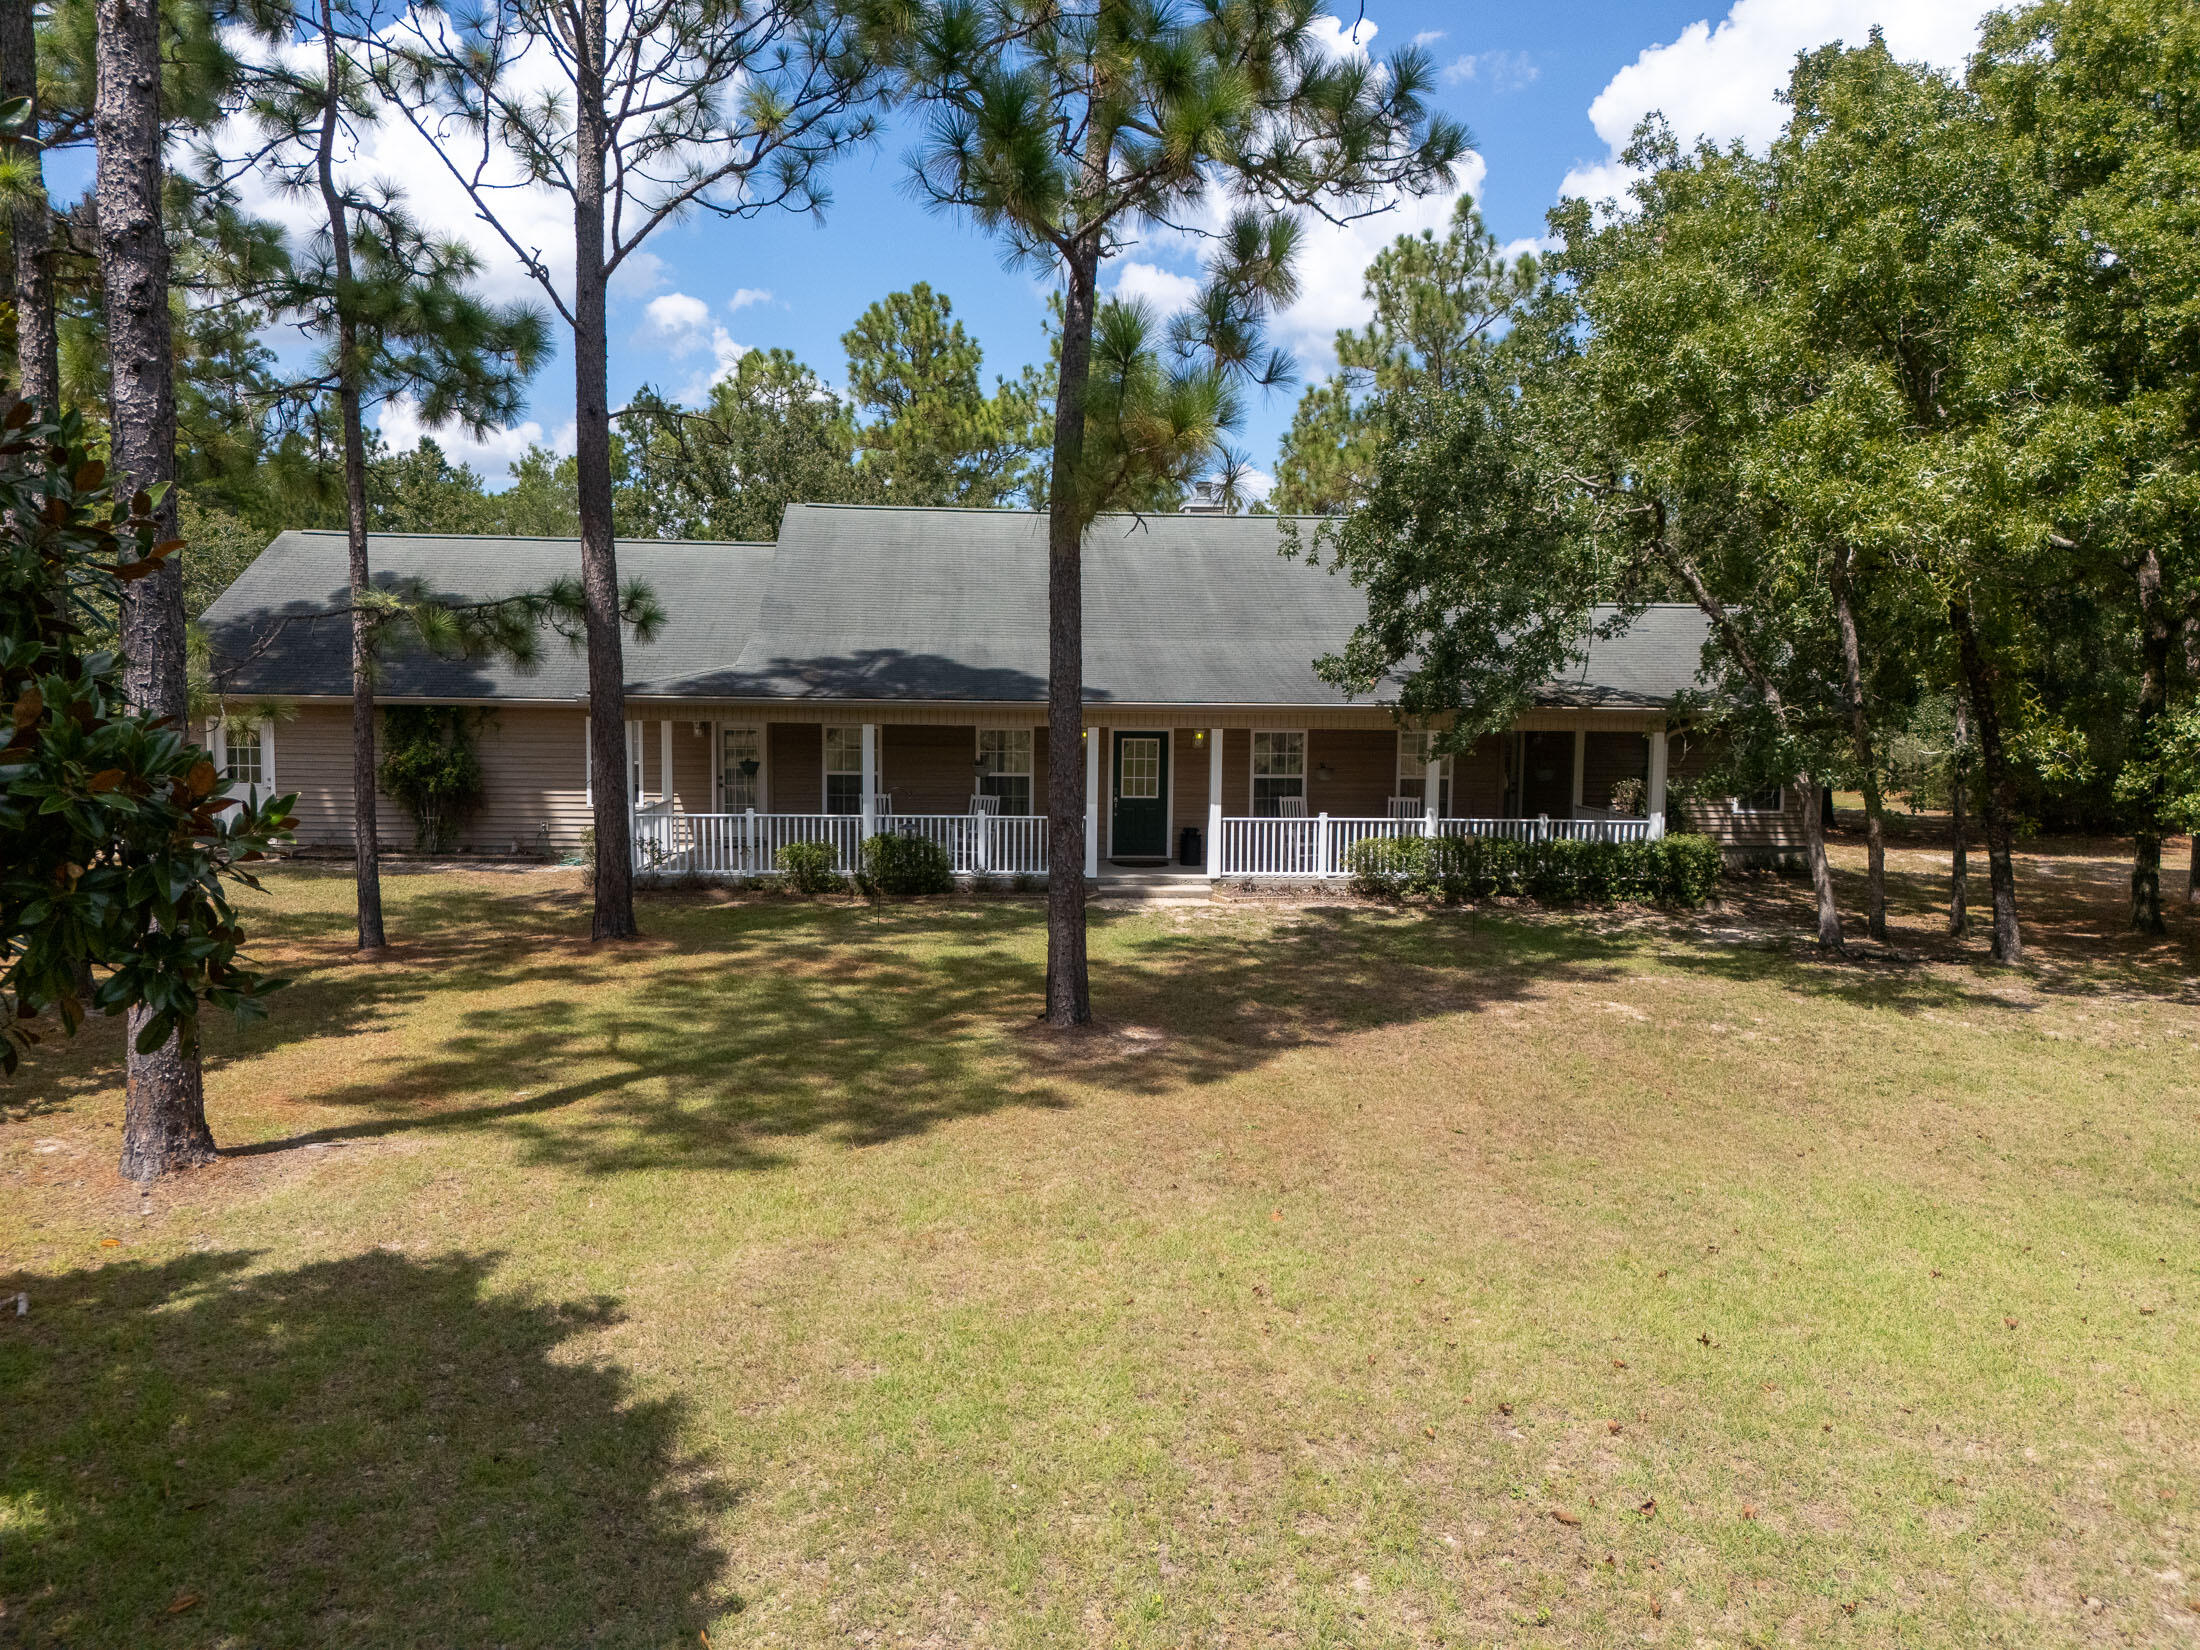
(1188, 847)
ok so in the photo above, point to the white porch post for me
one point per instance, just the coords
(869, 808)
(1581, 762)
(1321, 845)
(664, 762)
(1432, 789)
(1092, 802)
(633, 763)
(1654, 806)
(1214, 802)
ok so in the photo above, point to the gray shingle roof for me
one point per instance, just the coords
(883, 604)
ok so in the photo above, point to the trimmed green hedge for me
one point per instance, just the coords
(1674, 870)
(809, 867)
(895, 864)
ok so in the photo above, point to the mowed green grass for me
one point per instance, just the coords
(1367, 1279)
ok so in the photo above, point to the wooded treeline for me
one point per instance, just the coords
(1908, 406)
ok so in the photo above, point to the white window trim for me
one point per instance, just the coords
(1737, 805)
(1306, 765)
(763, 763)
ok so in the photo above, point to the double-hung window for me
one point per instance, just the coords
(242, 760)
(1760, 802)
(741, 768)
(1279, 771)
(1413, 766)
(844, 770)
(1004, 767)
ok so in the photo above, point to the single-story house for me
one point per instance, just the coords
(887, 666)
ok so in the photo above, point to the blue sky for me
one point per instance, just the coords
(1549, 91)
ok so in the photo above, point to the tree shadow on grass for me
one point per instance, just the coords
(370, 1451)
(760, 1024)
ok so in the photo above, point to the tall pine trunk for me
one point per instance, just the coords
(164, 1115)
(2146, 823)
(1821, 869)
(365, 843)
(1959, 805)
(1069, 985)
(1860, 742)
(1999, 789)
(38, 341)
(614, 872)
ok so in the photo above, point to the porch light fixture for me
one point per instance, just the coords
(1199, 736)
(1323, 773)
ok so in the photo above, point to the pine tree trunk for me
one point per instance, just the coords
(2146, 820)
(1959, 804)
(1999, 790)
(614, 874)
(1069, 985)
(38, 343)
(1860, 742)
(366, 845)
(164, 1115)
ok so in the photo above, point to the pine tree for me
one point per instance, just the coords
(393, 308)
(1067, 131)
(164, 1116)
(664, 108)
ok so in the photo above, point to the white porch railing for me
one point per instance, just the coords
(1319, 847)
(748, 844)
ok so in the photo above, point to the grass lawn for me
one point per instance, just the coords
(1367, 1279)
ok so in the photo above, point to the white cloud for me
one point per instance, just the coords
(1428, 37)
(745, 296)
(1337, 38)
(676, 320)
(399, 421)
(1331, 265)
(1720, 82)
(1333, 260)
(1164, 290)
(1500, 71)
(1255, 485)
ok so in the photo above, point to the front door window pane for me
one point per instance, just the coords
(1141, 769)
(241, 765)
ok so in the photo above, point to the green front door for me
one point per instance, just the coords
(1141, 790)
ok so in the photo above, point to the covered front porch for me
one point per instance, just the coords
(719, 790)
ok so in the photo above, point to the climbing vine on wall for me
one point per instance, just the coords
(431, 769)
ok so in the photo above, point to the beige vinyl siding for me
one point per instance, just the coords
(531, 768)
(795, 767)
(1188, 782)
(1715, 816)
(1478, 780)
(313, 758)
(1237, 772)
(694, 760)
(929, 770)
(1363, 769)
